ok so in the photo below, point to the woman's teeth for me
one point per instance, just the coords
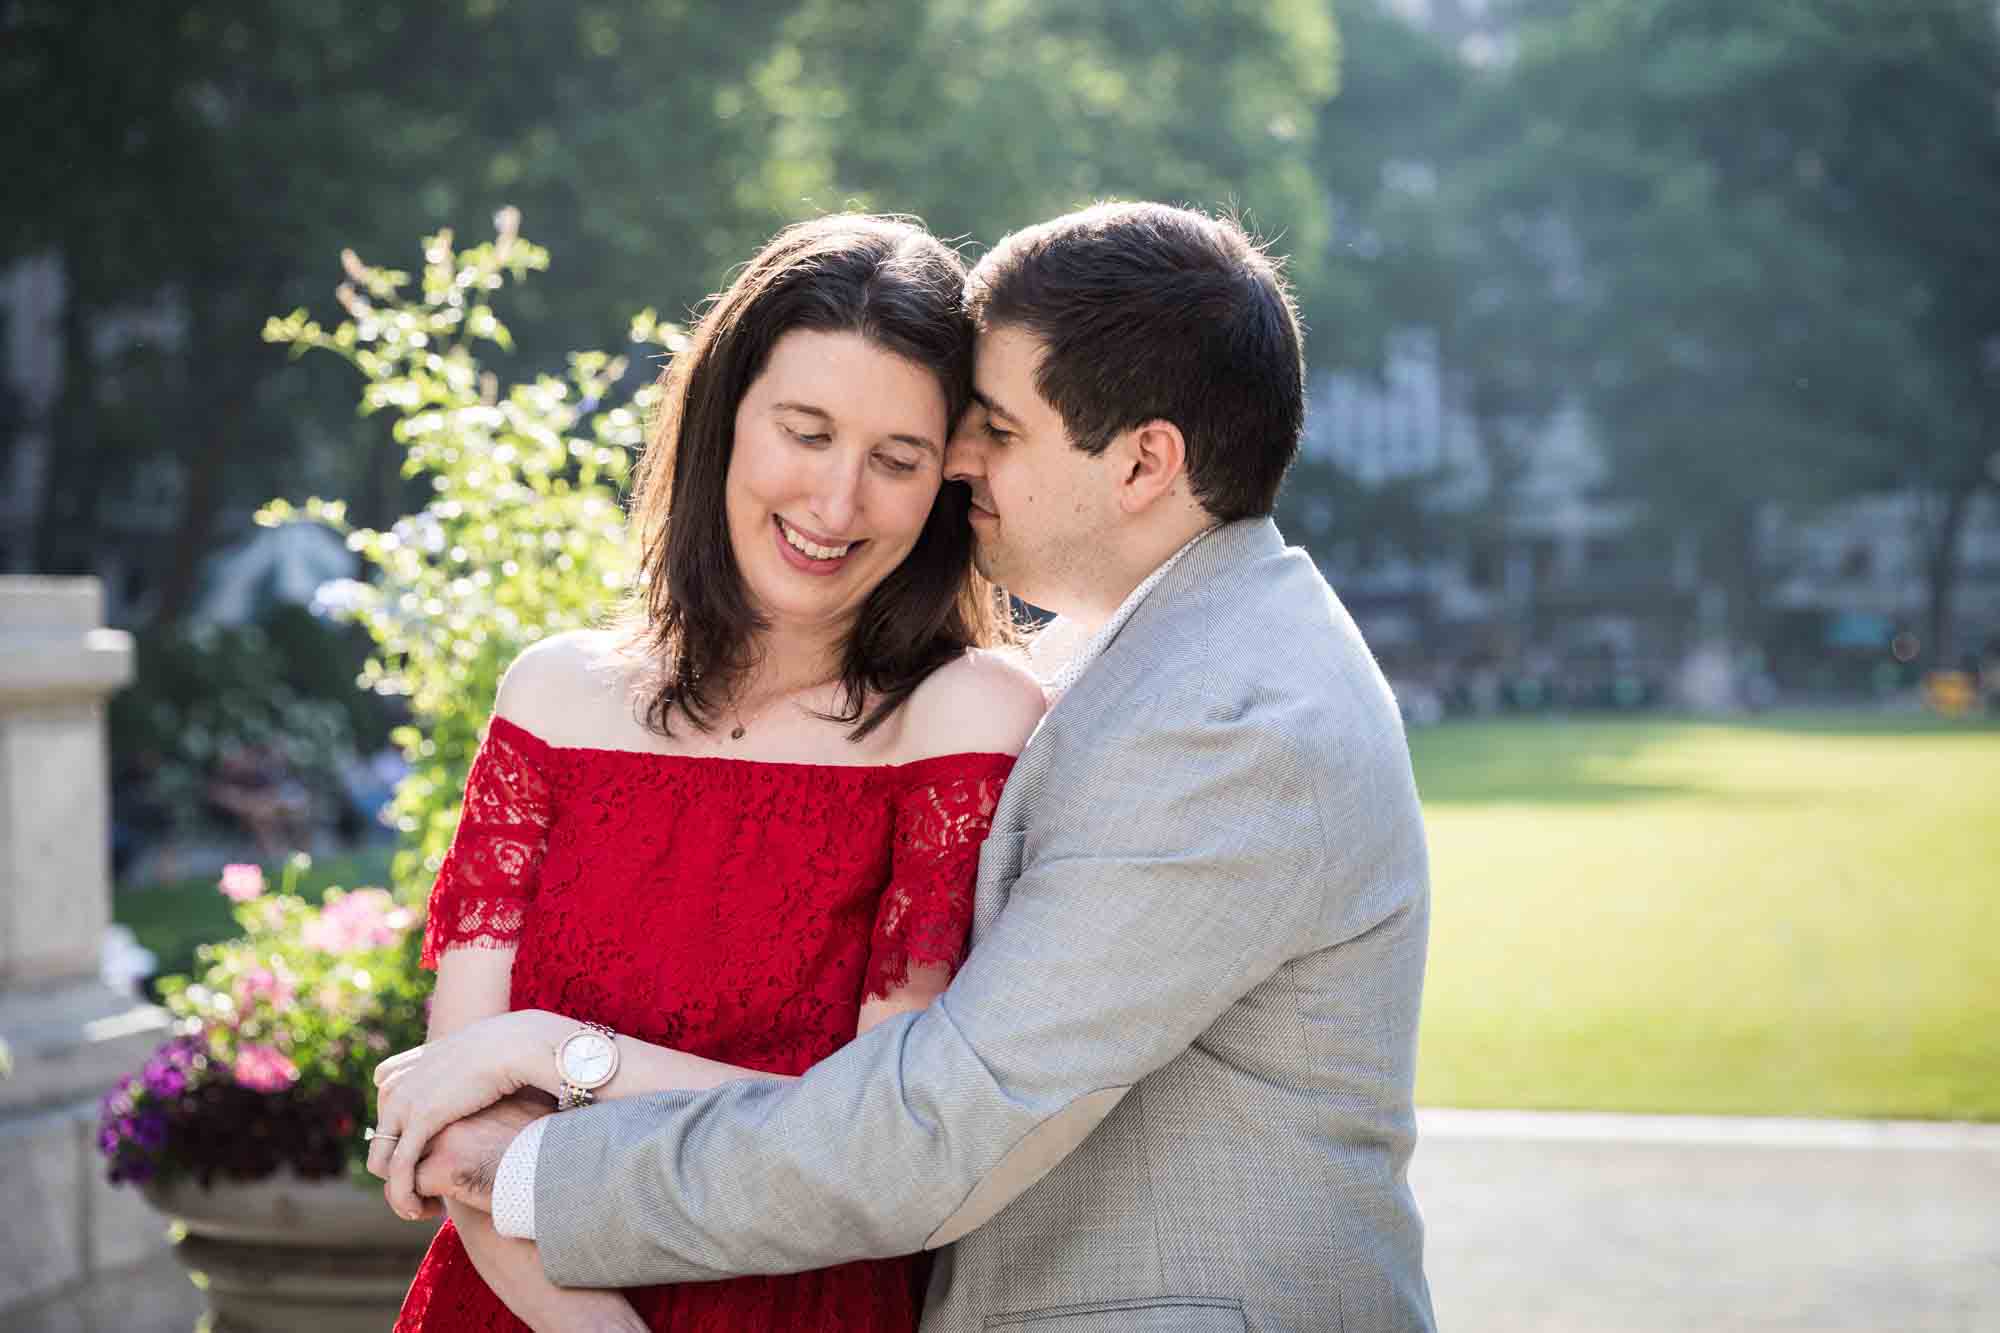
(813, 549)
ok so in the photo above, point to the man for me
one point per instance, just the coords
(1171, 1087)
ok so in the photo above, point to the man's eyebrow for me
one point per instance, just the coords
(993, 408)
(923, 442)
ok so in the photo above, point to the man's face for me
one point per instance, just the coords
(1040, 506)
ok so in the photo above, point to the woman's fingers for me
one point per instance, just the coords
(420, 1091)
(401, 1188)
(381, 1145)
(391, 1113)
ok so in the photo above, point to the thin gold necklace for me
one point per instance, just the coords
(736, 733)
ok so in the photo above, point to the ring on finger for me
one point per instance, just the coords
(373, 1135)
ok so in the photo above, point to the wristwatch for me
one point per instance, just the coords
(585, 1062)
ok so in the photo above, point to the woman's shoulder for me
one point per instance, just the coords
(556, 681)
(984, 701)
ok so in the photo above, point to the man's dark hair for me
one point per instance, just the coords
(1150, 312)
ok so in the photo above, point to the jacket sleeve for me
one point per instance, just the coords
(1181, 863)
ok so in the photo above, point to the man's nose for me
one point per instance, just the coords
(964, 456)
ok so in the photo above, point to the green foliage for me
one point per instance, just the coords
(522, 534)
(1378, 153)
(985, 115)
(1754, 240)
(203, 691)
(257, 137)
(656, 145)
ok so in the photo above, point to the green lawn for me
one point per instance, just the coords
(1798, 916)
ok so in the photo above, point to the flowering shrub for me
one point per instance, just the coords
(274, 1055)
(524, 532)
(523, 536)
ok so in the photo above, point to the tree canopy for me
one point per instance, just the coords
(1753, 242)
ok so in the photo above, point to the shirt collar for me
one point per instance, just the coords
(1058, 667)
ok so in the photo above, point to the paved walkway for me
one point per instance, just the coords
(1570, 1223)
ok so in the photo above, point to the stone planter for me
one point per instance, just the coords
(285, 1255)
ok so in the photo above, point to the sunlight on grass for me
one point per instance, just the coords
(1800, 918)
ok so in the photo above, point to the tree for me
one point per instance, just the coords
(1764, 235)
(983, 116)
(214, 157)
(207, 160)
(1410, 250)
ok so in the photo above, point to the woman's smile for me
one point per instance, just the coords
(805, 553)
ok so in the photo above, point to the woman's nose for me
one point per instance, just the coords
(837, 498)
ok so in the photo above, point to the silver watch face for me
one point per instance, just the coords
(588, 1059)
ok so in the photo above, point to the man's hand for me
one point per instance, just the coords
(465, 1157)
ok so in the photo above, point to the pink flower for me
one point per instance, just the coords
(261, 983)
(264, 1069)
(241, 883)
(361, 920)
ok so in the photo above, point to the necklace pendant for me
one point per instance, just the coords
(737, 734)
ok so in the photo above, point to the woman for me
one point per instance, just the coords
(746, 831)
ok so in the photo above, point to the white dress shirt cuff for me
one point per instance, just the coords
(514, 1185)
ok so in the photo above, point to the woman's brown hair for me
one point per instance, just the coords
(902, 289)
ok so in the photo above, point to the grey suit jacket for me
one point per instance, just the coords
(1171, 1087)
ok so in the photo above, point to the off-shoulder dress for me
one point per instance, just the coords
(740, 910)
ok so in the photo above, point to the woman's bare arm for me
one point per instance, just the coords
(472, 984)
(530, 1046)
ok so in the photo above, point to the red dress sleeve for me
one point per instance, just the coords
(925, 915)
(489, 875)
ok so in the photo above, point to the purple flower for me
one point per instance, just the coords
(166, 1082)
(118, 1100)
(150, 1132)
(165, 1076)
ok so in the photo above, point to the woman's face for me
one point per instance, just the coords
(838, 458)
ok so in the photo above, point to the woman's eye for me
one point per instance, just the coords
(803, 438)
(995, 434)
(900, 466)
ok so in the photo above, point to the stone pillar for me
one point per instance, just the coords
(74, 1253)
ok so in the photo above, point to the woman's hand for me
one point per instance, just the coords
(424, 1089)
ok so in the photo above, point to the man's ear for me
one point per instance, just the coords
(1152, 462)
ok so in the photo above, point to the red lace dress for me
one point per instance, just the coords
(736, 909)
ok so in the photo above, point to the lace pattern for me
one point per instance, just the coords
(879, 1296)
(737, 910)
(926, 912)
(488, 877)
